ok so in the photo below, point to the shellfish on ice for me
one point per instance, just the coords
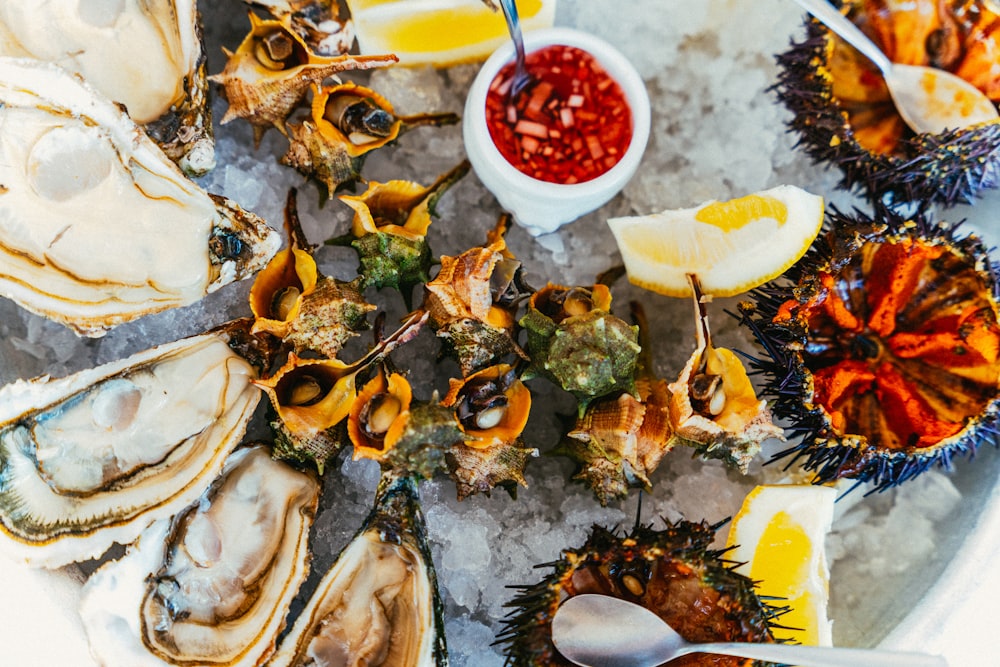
(93, 458)
(212, 586)
(97, 225)
(379, 603)
(145, 54)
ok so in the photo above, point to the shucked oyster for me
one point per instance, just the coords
(145, 54)
(378, 606)
(93, 458)
(213, 585)
(97, 226)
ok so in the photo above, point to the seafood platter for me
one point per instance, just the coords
(283, 383)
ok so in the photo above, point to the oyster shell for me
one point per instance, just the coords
(145, 54)
(99, 227)
(379, 603)
(212, 586)
(93, 458)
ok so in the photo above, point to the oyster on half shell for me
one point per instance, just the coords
(93, 458)
(378, 605)
(212, 586)
(145, 54)
(97, 226)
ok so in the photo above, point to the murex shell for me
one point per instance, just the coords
(212, 586)
(97, 225)
(93, 458)
(145, 54)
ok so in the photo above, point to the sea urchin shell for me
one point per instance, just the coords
(885, 350)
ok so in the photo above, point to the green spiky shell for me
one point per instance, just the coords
(821, 449)
(589, 355)
(681, 551)
(947, 168)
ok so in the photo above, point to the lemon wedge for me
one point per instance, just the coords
(439, 32)
(732, 246)
(779, 535)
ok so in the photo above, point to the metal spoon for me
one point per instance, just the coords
(604, 631)
(521, 76)
(928, 99)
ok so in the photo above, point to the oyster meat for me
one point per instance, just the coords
(93, 458)
(145, 54)
(212, 586)
(97, 226)
(378, 606)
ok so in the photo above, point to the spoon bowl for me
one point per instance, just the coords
(604, 631)
(929, 100)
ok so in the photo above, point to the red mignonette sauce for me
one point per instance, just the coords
(569, 125)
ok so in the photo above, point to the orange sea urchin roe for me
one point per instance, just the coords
(570, 125)
(902, 344)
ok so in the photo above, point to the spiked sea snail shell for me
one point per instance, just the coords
(883, 351)
(290, 300)
(405, 436)
(389, 231)
(620, 438)
(492, 406)
(845, 117)
(379, 602)
(100, 227)
(347, 122)
(212, 585)
(145, 54)
(318, 22)
(270, 72)
(472, 303)
(672, 572)
(311, 397)
(575, 341)
(713, 405)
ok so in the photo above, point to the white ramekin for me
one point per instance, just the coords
(539, 206)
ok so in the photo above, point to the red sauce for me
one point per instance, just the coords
(570, 125)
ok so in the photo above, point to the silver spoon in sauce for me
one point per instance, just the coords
(604, 631)
(929, 100)
(521, 77)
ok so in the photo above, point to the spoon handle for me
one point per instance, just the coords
(843, 26)
(819, 656)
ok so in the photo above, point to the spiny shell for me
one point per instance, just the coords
(575, 341)
(948, 168)
(271, 71)
(672, 572)
(492, 406)
(883, 350)
(332, 144)
(467, 311)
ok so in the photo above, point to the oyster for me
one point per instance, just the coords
(99, 227)
(145, 54)
(93, 458)
(379, 604)
(212, 586)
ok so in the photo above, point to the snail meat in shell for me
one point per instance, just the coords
(97, 225)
